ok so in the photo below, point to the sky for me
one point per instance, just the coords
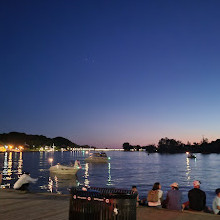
(105, 72)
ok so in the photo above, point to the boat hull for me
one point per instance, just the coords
(60, 169)
(193, 157)
(96, 160)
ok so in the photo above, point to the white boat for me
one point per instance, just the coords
(99, 157)
(62, 169)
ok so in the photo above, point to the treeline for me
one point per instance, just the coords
(166, 145)
(34, 141)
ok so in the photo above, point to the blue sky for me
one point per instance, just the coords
(107, 72)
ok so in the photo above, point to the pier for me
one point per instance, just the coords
(33, 206)
(45, 206)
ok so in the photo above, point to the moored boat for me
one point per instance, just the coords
(98, 157)
(189, 155)
(62, 169)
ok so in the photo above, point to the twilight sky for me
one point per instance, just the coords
(105, 72)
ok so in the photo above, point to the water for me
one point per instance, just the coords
(124, 170)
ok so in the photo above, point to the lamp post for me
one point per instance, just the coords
(51, 161)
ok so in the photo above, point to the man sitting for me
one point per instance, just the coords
(24, 181)
(216, 202)
(197, 198)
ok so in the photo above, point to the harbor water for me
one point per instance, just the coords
(123, 170)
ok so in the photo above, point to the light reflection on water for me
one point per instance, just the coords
(188, 170)
(109, 175)
(86, 176)
(124, 170)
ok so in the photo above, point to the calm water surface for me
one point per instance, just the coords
(124, 170)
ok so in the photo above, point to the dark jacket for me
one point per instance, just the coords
(197, 199)
(173, 200)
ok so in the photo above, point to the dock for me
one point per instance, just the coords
(45, 206)
(33, 206)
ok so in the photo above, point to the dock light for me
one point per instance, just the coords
(109, 158)
(187, 152)
(50, 160)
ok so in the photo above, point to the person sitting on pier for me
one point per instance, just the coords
(24, 181)
(173, 199)
(197, 198)
(0, 179)
(155, 196)
(216, 202)
(135, 191)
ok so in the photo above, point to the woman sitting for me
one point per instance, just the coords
(155, 196)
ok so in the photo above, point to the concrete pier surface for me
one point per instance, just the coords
(144, 213)
(35, 206)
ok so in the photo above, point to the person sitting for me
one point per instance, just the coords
(216, 202)
(155, 196)
(135, 191)
(23, 182)
(0, 179)
(197, 198)
(173, 199)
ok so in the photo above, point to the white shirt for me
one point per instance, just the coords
(23, 180)
(215, 203)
